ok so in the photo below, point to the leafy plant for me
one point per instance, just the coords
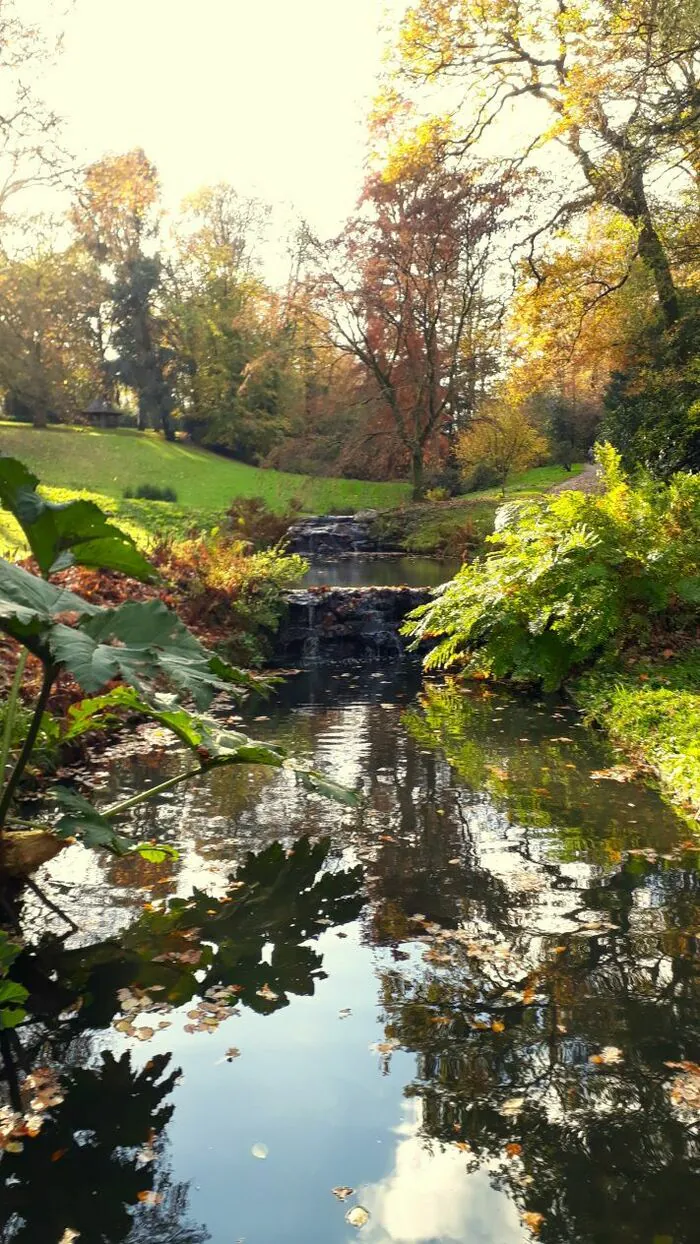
(12, 994)
(140, 644)
(572, 576)
(251, 519)
(150, 492)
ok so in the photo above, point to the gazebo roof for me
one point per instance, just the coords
(100, 407)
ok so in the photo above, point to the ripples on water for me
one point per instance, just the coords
(480, 1034)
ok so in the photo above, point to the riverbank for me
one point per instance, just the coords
(651, 709)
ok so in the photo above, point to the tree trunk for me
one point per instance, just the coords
(40, 416)
(652, 253)
(417, 473)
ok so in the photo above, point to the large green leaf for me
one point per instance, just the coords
(12, 996)
(60, 535)
(28, 604)
(85, 822)
(143, 643)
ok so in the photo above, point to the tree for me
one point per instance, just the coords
(400, 288)
(116, 216)
(503, 439)
(223, 326)
(30, 152)
(50, 358)
(621, 85)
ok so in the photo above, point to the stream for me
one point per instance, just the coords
(458, 1005)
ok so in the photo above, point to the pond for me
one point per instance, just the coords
(383, 571)
(466, 1000)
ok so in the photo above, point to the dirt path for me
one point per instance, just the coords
(587, 481)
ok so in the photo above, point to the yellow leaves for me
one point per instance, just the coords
(498, 1026)
(532, 1220)
(607, 1056)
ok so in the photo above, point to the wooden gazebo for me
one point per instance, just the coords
(101, 414)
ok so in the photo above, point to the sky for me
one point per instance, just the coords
(269, 95)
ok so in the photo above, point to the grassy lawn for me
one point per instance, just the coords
(107, 462)
(452, 528)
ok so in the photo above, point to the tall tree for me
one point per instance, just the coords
(116, 215)
(616, 83)
(223, 325)
(30, 148)
(49, 352)
(402, 286)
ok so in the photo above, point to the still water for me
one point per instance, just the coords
(460, 1000)
(383, 571)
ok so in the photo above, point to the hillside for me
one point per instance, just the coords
(108, 462)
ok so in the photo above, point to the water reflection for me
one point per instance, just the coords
(383, 571)
(481, 1051)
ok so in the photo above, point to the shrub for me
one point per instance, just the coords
(573, 575)
(219, 584)
(437, 494)
(150, 492)
(250, 519)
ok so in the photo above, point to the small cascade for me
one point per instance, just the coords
(325, 625)
(332, 535)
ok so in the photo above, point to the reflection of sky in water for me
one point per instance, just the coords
(429, 1196)
(307, 1085)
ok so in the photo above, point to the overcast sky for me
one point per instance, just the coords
(270, 95)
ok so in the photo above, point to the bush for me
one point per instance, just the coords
(150, 492)
(481, 477)
(574, 575)
(437, 494)
(220, 585)
(250, 519)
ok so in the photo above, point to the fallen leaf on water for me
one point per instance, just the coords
(124, 1025)
(694, 1068)
(532, 1220)
(70, 1235)
(260, 1151)
(513, 1150)
(618, 773)
(455, 861)
(344, 1012)
(144, 1034)
(58, 1154)
(150, 1198)
(463, 1146)
(609, 1054)
(528, 995)
(498, 1026)
(267, 993)
(384, 1047)
(233, 1053)
(357, 1217)
(511, 1108)
(440, 1019)
(342, 1192)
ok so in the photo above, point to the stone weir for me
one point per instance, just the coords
(345, 623)
(332, 535)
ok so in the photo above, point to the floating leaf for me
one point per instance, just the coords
(532, 1220)
(259, 1151)
(357, 1217)
(609, 1054)
(343, 1192)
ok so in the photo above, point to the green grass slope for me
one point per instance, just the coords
(106, 462)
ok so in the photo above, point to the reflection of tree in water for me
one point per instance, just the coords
(544, 1010)
(96, 1165)
(95, 1161)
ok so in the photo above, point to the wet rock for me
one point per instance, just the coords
(332, 624)
(332, 535)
